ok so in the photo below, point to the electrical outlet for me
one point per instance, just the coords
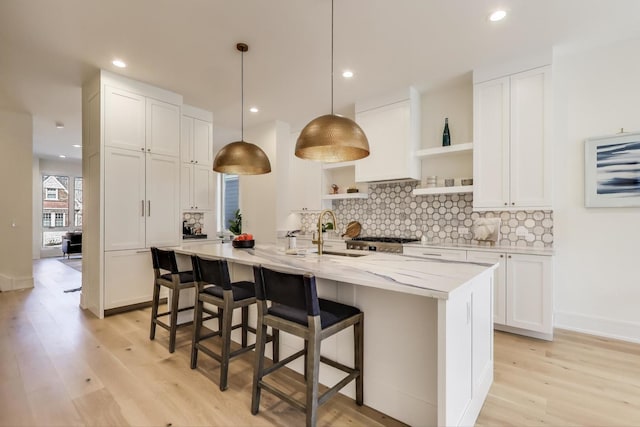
(522, 231)
(463, 230)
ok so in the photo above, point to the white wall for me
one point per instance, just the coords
(261, 204)
(16, 215)
(597, 266)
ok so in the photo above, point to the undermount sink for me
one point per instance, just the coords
(349, 254)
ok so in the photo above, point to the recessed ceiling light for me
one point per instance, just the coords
(347, 74)
(77, 146)
(119, 63)
(62, 156)
(59, 125)
(498, 15)
(254, 109)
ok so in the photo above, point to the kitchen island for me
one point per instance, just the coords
(428, 345)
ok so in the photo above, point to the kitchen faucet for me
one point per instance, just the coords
(320, 241)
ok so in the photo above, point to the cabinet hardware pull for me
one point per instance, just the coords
(509, 256)
(426, 253)
(144, 251)
(501, 256)
(142, 204)
(149, 149)
(196, 161)
(149, 208)
(513, 203)
(505, 203)
(141, 148)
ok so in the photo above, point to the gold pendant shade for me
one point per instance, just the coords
(241, 158)
(332, 138)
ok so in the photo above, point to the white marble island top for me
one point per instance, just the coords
(425, 277)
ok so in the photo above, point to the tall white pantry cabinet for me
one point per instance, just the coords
(131, 170)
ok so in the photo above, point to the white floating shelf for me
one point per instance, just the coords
(443, 151)
(443, 190)
(338, 165)
(345, 196)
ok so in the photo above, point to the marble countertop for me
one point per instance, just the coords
(425, 277)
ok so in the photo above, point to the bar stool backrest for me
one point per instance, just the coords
(293, 290)
(211, 271)
(164, 260)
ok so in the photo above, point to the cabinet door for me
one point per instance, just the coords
(186, 186)
(163, 201)
(203, 187)
(304, 185)
(124, 118)
(436, 253)
(202, 142)
(124, 199)
(491, 144)
(186, 140)
(388, 130)
(499, 285)
(163, 128)
(530, 142)
(529, 292)
(128, 278)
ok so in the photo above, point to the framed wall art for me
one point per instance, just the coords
(612, 171)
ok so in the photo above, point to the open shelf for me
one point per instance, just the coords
(338, 165)
(443, 190)
(443, 151)
(345, 196)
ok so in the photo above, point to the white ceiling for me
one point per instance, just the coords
(48, 48)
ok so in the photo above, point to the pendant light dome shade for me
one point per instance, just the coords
(241, 157)
(332, 138)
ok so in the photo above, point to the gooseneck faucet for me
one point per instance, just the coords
(320, 241)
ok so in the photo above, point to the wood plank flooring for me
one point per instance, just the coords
(60, 366)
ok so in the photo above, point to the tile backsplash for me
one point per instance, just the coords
(194, 219)
(392, 211)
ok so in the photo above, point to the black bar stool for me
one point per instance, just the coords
(214, 287)
(296, 309)
(176, 281)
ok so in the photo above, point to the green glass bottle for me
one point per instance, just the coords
(446, 137)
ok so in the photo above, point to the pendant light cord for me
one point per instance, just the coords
(242, 95)
(331, 57)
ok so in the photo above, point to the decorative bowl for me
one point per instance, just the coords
(243, 244)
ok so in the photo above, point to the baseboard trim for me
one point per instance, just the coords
(600, 326)
(525, 332)
(8, 283)
(117, 310)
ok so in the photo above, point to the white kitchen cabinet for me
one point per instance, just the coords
(197, 187)
(436, 253)
(196, 141)
(128, 278)
(134, 173)
(305, 181)
(511, 156)
(392, 126)
(523, 292)
(140, 198)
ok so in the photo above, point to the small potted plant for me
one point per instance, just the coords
(235, 223)
(327, 226)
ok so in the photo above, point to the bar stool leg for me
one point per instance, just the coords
(197, 327)
(313, 370)
(245, 325)
(275, 343)
(226, 343)
(174, 319)
(261, 339)
(358, 340)
(154, 310)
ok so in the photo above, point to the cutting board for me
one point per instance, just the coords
(353, 229)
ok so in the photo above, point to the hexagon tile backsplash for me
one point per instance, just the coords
(391, 211)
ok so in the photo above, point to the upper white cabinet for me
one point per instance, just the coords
(196, 142)
(197, 179)
(136, 122)
(511, 156)
(306, 181)
(392, 126)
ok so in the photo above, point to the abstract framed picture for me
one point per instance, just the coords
(612, 171)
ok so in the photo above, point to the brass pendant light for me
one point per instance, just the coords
(332, 138)
(241, 157)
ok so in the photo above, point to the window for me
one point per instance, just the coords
(60, 219)
(77, 202)
(51, 194)
(230, 199)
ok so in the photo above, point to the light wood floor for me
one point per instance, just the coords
(61, 366)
